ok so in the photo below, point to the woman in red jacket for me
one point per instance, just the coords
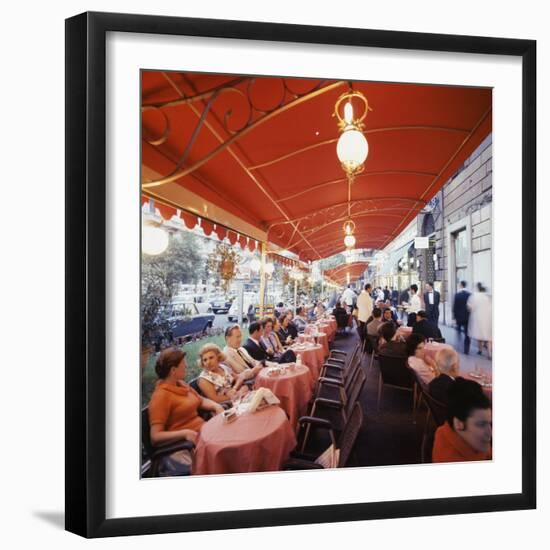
(467, 434)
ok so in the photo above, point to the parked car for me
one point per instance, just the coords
(187, 322)
(220, 304)
(201, 302)
(248, 300)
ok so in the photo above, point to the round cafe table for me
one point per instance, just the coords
(293, 389)
(328, 330)
(313, 357)
(430, 350)
(255, 442)
(322, 339)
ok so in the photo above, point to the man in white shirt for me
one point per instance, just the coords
(236, 357)
(414, 305)
(349, 296)
(364, 307)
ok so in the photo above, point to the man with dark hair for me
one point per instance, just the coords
(389, 344)
(252, 345)
(425, 327)
(431, 302)
(461, 314)
(374, 325)
(300, 321)
(467, 434)
(414, 305)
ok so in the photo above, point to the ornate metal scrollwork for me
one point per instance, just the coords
(254, 114)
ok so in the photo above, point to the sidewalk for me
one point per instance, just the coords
(467, 362)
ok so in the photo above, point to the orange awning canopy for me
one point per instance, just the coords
(340, 274)
(264, 149)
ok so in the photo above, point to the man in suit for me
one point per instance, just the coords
(300, 320)
(447, 364)
(252, 345)
(425, 327)
(431, 302)
(461, 313)
(236, 357)
(394, 297)
(255, 349)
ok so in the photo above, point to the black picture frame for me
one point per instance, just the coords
(86, 273)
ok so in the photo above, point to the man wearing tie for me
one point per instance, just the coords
(431, 301)
(462, 314)
(237, 357)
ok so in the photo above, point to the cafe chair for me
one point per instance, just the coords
(152, 455)
(337, 369)
(395, 373)
(335, 411)
(436, 416)
(373, 343)
(345, 443)
(338, 388)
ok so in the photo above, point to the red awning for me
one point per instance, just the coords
(340, 274)
(282, 174)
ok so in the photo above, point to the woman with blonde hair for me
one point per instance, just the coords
(216, 380)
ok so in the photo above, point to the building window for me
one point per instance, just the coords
(460, 248)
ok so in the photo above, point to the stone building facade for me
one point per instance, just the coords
(458, 224)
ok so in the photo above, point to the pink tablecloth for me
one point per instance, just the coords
(328, 329)
(404, 331)
(255, 442)
(486, 378)
(292, 388)
(430, 350)
(322, 339)
(313, 357)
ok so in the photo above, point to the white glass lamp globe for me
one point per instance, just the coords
(255, 264)
(352, 148)
(349, 241)
(154, 240)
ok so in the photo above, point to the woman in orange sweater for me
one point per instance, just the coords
(173, 409)
(467, 434)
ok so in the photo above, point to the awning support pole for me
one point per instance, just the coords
(262, 279)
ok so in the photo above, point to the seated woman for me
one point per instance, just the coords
(283, 332)
(216, 380)
(467, 434)
(173, 409)
(272, 345)
(424, 366)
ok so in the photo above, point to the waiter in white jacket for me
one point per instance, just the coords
(364, 307)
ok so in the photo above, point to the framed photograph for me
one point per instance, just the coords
(293, 253)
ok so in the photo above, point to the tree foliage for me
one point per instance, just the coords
(161, 276)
